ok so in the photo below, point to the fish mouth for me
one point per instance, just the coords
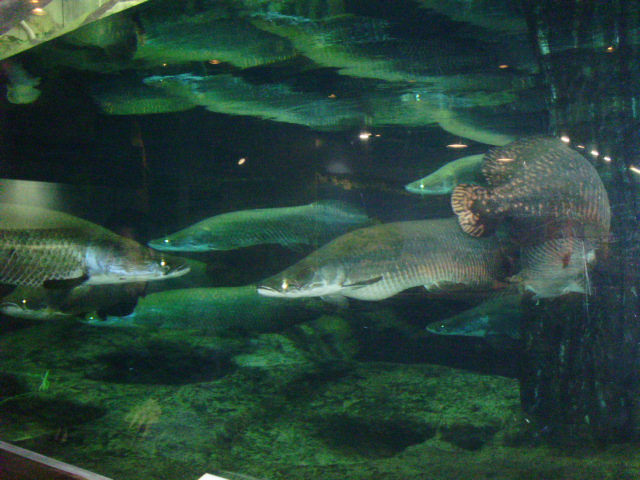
(270, 291)
(175, 269)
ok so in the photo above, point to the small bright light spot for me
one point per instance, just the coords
(164, 64)
(565, 139)
(505, 160)
(38, 11)
(333, 95)
(611, 49)
(594, 153)
(635, 170)
(24, 301)
(166, 240)
(580, 146)
(364, 136)
(607, 159)
(34, 1)
(504, 66)
(285, 284)
(163, 263)
(377, 135)
(241, 161)
(457, 145)
(214, 62)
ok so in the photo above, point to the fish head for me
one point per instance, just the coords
(304, 281)
(96, 320)
(435, 184)
(193, 239)
(125, 260)
(33, 305)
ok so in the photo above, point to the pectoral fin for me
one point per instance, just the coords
(363, 283)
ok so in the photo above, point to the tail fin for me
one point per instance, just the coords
(464, 202)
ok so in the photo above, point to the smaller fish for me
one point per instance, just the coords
(445, 179)
(499, 316)
(312, 224)
(39, 303)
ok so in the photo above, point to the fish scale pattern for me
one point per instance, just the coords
(22, 261)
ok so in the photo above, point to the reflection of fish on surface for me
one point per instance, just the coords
(126, 95)
(215, 310)
(20, 85)
(39, 303)
(312, 224)
(371, 48)
(206, 38)
(543, 187)
(378, 262)
(498, 316)
(445, 179)
(279, 102)
(44, 247)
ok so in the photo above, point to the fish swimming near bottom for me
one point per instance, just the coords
(41, 247)
(40, 303)
(444, 180)
(378, 262)
(215, 310)
(313, 224)
(497, 317)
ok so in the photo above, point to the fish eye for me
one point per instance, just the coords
(285, 284)
(166, 240)
(421, 185)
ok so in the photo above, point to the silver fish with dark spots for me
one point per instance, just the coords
(447, 177)
(215, 310)
(378, 262)
(313, 224)
(41, 247)
(542, 187)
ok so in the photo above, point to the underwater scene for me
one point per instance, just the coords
(319, 239)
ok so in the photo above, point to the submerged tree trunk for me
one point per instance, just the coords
(582, 364)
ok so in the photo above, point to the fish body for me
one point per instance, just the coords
(40, 247)
(214, 310)
(542, 187)
(378, 262)
(497, 316)
(445, 179)
(311, 224)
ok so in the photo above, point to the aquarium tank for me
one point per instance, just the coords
(319, 239)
